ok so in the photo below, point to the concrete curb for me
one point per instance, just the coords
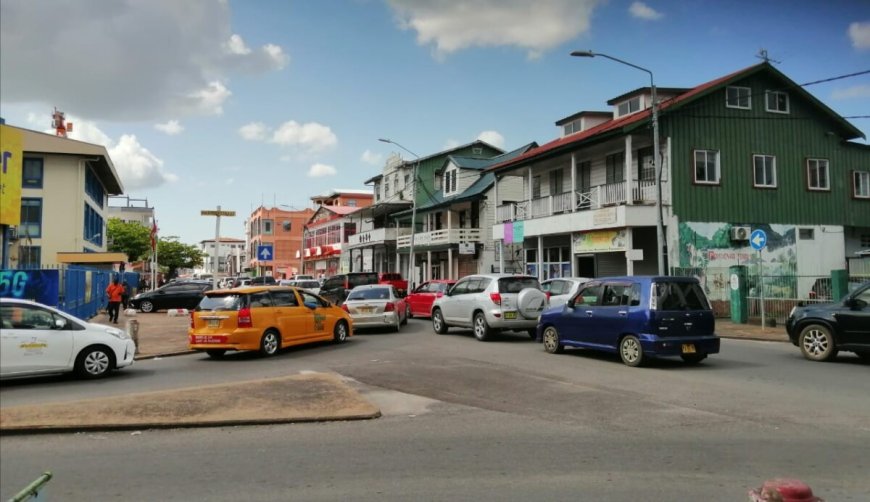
(168, 354)
(22, 431)
(755, 339)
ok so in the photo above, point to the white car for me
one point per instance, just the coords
(563, 289)
(37, 339)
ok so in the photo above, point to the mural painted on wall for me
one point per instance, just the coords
(706, 250)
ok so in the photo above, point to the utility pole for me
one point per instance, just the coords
(217, 238)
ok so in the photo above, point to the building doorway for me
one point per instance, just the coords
(585, 266)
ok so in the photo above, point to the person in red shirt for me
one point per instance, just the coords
(114, 290)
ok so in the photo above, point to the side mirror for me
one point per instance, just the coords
(439, 294)
(60, 323)
(311, 305)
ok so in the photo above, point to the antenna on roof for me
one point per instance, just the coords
(762, 54)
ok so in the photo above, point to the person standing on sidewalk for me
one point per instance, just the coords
(114, 290)
(125, 295)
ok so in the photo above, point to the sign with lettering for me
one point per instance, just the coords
(600, 241)
(10, 175)
(466, 248)
(212, 212)
(38, 285)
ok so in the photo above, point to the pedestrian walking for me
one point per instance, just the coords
(114, 290)
(125, 295)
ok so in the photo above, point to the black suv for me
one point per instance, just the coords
(823, 329)
(175, 295)
(336, 288)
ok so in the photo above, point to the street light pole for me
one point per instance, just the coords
(411, 279)
(661, 244)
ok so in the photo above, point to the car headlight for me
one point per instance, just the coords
(118, 333)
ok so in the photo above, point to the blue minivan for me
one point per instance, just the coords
(638, 317)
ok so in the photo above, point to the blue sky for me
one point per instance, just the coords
(209, 102)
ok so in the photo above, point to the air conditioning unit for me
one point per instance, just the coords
(740, 233)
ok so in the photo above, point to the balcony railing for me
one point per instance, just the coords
(377, 235)
(443, 236)
(594, 198)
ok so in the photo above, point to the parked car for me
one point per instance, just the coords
(822, 288)
(336, 288)
(490, 302)
(376, 305)
(36, 339)
(821, 330)
(638, 317)
(265, 280)
(561, 290)
(300, 277)
(394, 279)
(421, 299)
(178, 295)
(264, 318)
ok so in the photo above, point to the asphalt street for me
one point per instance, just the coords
(469, 420)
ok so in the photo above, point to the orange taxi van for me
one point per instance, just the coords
(265, 319)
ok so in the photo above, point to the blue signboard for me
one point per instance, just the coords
(264, 252)
(758, 239)
(37, 285)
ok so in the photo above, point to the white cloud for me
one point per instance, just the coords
(857, 91)
(210, 99)
(230, 181)
(286, 158)
(320, 170)
(171, 128)
(131, 60)
(255, 131)
(372, 158)
(236, 45)
(311, 136)
(493, 138)
(450, 144)
(859, 33)
(641, 10)
(531, 26)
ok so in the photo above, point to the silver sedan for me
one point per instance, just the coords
(375, 306)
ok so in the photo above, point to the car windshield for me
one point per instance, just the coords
(215, 303)
(369, 294)
(517, 284)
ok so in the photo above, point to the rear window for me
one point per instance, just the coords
(517, 284)
(362, 279)
(334, 282)
(216, 303)
(679, 296)
(370, 294)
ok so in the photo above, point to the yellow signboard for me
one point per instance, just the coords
(600, 241)
(212, 212)
(10, 176)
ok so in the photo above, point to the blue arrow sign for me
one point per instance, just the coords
(758, 239)
(264, 252)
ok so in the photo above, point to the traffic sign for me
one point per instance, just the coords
(212, 212)
(264, 252)
(758, 239)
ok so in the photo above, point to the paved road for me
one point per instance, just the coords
(471, 420)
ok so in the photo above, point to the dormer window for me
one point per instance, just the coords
(572, 127)
(449, 181)
(626, 107)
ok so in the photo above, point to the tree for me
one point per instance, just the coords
(175, 255)
(131, 238)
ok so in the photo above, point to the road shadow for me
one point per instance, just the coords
(498, 337)
(251, 355)
(714, 362)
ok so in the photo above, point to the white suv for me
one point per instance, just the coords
(491, 302)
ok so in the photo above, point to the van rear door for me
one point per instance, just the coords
(679, 308)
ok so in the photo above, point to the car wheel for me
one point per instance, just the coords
(693, 358)
(146, 306)
(438, 323)
(339, 333)
(630, 351)
(817, 343)
(481, 328)
(216, 353)
(398, 325)
(270, 343)
(552, 342)
(533, 333)
(94, 362)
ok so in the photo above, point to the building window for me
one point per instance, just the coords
(817, 174)
(707, 167)
(536, 187)
(647, 169)
(94, 188)
(556, 182)
(615, 165)
(31, 175)
(31, 218)
(93, 231)
(407, 179)
(630, 106)
(453, 182)
(386, 187)
(267, 227)
(776, 101)
(861, 184)
(764, 171)
(29, 256)
(351, 202)
(738, 97)
(806, 234)
(377, 191)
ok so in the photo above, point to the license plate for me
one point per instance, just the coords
(365, 310)
(199, 339)
(510, 315)
(688, 348)
(214, 323)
